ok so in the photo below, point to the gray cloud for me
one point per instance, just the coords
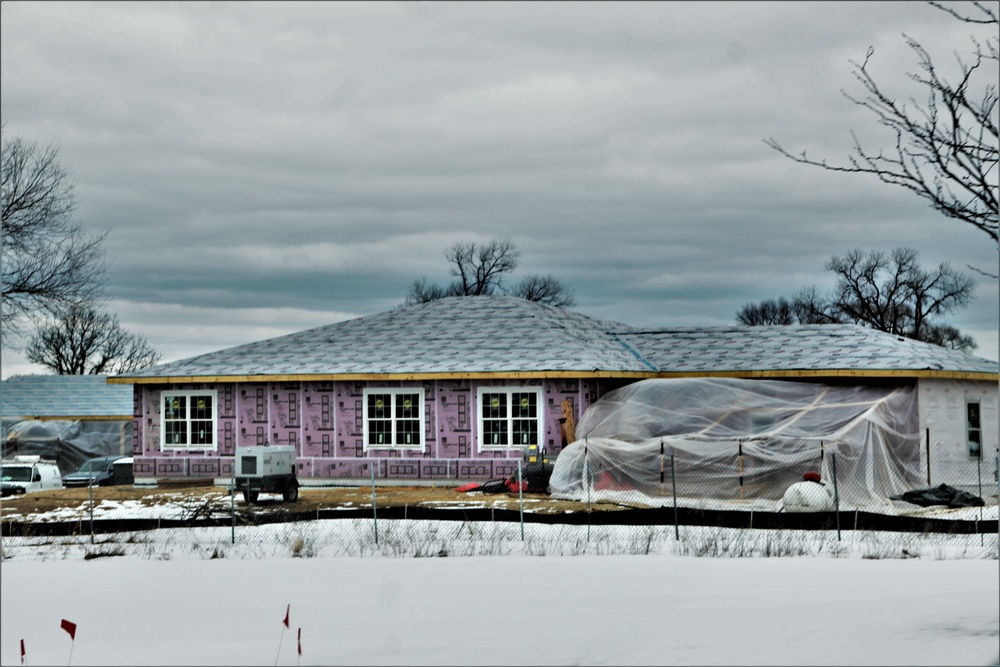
(310, 160)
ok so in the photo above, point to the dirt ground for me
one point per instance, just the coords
(310, 499)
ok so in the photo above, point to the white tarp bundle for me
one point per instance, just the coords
(736, 439)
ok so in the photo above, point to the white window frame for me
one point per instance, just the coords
(509, 417)
(393, 419)
(977, 428)
(189, 395)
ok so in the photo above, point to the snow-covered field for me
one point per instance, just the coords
(477, 594)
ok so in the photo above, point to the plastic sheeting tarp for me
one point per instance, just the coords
(68, 442)
(941, 495)
(738, 439)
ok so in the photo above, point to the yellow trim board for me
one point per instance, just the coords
(76, 418)
(558, 375)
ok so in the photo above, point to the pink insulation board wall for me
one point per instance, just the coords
(324, 422)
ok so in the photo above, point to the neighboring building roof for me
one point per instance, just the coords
(64, 397)
(511, 337)
(813, 347)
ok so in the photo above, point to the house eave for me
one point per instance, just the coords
(73, 418)
(840, 373)
(564, 374)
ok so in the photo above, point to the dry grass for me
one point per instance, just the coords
(310, 499)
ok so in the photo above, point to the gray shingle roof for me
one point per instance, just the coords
(509, 335)
(64, 396)
(817, 347)
(467, 334)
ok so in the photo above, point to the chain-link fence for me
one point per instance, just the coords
(745, 486)
(745, 502)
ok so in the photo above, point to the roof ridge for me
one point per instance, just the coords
(505, 334)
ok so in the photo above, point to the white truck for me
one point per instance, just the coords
(29, 474)
(266, 469)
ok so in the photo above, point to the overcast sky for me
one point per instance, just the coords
(269, 167)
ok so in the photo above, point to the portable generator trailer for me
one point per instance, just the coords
(266, 469)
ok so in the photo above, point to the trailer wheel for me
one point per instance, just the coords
(291, 493)
(250, 496)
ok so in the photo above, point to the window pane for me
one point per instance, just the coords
(495, 406)
(175, 407)
(380, 432)
(201, 407)
(176, 433)
(408, 432)
(495, 432)
(201, 432)
(974, 433)
(525, 432)
(972, 410)
(407, 406)
(975, 443)
(379, 406)
(524, 405)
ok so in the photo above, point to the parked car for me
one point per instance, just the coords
(28, 474)
(122, 472)
(96, 471)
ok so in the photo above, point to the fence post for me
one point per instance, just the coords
(979, 476)
(232, 504)
(586, 479)
(673, 486)
(741, 468)
(374, 511)
(928, 436)
(90, 486)
(836, 495)
(520, 495)
(661, 466)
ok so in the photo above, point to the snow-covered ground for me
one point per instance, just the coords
(477, 594)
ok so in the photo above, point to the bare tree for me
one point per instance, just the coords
(480, 270)
(946, 335)
(889, 292)
(811, 307)
(422, 292)
(946, 149)
(85, 341)
(545, 289)
(767, 312)
(49, 264)
(807, 306)
(894, 293)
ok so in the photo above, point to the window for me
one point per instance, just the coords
(394, 418)
(509, 417)
(188, 420)
(974, 430)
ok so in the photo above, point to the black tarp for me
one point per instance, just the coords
(67, 442)
(940, 495)
(537, 475)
